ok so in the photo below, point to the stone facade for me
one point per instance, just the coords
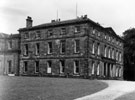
(78, 47)
(9, 54)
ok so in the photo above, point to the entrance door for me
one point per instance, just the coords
(9, 67)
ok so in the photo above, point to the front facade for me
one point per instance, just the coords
(72, 48)
(9, 54)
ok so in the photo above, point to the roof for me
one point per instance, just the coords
(3, 35)
(60, 23)
(72, 21)
(112, 32)
(14, 35)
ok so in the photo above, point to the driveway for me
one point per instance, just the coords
(114, 90)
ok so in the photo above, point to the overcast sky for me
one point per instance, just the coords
(118, 14)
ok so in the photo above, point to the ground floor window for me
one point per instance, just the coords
(25, 66)
(49, 67)
(36, 66)
(62, 66)
(76, 67)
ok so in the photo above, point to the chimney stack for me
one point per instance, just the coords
(29, 22)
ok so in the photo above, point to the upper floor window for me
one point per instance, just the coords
(36, 66)
(38, 34)
(105, 53)
(50, 48)
(112, 53)
(62, 66)
(77, 29)
(109, 38)
(77, 46)
(93, 68)
(37, 48)
(63, 46)
(76, 67)
(9, 44)
(26, 49)
(26, 35)
(120, 56)
(105, 36)
(50, 32)
(117, 54)
(94, 31)
(99, 33)
(109, 53)
(63, 31)
(98, 52)
(93, 47)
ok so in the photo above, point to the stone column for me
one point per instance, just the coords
(114, 70)
(106, 69)
(110, 70)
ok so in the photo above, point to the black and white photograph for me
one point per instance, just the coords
(67, 50)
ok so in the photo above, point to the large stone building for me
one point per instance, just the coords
(72, 48)
(9, 54)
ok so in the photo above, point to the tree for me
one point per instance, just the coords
(129, 54)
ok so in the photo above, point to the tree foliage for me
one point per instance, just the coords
(129, 53)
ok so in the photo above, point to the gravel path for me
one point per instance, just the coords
(114, 90)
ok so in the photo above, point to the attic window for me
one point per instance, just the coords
(26, 35)
(38, 35)
(63, 31)
(77, 29)
(50, 32)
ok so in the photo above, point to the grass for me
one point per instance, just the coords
(43, 88)
(129, 96)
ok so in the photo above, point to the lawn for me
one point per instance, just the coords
(129, 96)
(43, 88)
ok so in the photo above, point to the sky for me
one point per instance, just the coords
(118, 14)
